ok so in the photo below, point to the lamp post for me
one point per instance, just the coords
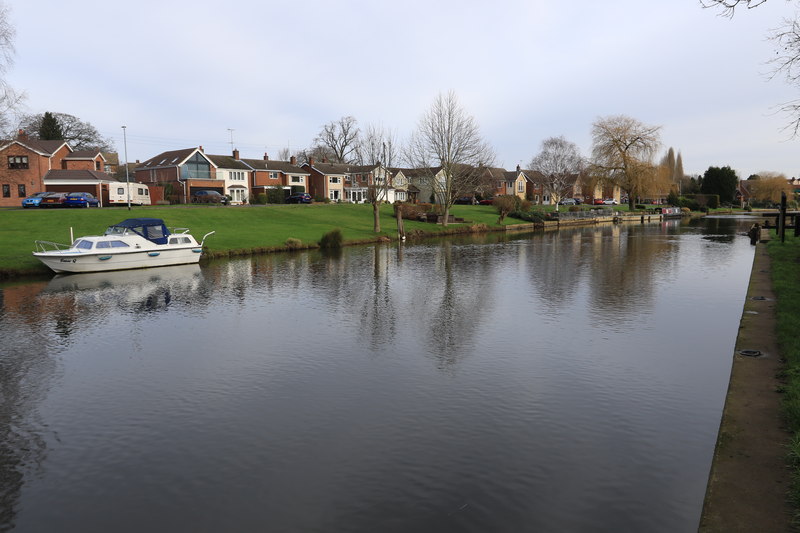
(127, 179)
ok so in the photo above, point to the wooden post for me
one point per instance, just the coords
(782, 215)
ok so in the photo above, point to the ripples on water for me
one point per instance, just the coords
(553, 382)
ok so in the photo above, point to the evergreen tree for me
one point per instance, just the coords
(720, 181)
(50, 129)
(679, 175)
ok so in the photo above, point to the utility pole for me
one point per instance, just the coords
(127, 178)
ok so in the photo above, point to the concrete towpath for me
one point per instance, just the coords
(749, 480)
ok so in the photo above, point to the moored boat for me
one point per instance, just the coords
(132, 243)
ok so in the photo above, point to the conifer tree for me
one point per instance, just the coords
(50, 129)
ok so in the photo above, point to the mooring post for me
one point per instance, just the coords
(782, 216)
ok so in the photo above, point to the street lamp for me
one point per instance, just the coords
(127, 179)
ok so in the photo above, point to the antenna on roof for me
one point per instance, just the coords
(230, 130)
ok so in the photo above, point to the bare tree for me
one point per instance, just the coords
(448, 148)
(377, 147)
(79, 134)
(284, 154)
(786, 62)
(622, 151)
(10, 99)
(341, 138)
(559, 162)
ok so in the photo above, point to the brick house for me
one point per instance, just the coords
(23, 165)
(181, 172)
(84, 160)
(268, 174)
(326, 180)
(504, 182)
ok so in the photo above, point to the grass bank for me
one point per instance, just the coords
(785, 273)
(239, 230)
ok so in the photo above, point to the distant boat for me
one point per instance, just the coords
(132, 243)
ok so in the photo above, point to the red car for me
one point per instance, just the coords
(598, 201)
(53, 199)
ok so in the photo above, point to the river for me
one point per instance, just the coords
(557, 381)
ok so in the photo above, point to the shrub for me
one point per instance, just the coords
(524, 205)
(504, 205)
(261, 198)
(275, 195)
(574, 208)
(293, 243)
(331, 240)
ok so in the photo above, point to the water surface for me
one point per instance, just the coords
(559, 381)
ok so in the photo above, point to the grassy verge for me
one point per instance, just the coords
(239, 230)
(785, 272)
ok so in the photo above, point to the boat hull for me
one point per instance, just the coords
(76, 262)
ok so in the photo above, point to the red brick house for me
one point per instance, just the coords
(181, 172)
(268, 174)
(23, 164)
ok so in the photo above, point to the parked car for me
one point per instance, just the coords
(299, 198)
(568, 201)
(487, 201)
(80, 199)
(34, 199)
(598, 201)
(464, 200)
(610, 201)
(207, 196)
(53, 199)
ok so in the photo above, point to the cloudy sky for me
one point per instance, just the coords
(183, 73)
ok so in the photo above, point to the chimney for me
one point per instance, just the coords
(293, 160)
(266, 157)
(311, 161)
(201, 148)
(517, 168)
(236, 154)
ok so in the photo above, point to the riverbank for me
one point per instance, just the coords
(248, 230)
(750, 482)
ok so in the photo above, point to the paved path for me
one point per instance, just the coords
(749, 480)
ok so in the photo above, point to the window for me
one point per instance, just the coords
(18, 161)
(120, 190)
(273, 175)
(333, 179)
(297, 179)
(6, 190)
(97, 165)
(21, 190)
(520, 186)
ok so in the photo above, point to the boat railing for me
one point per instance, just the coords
(206, 235)
(49, 246)
(179, 231)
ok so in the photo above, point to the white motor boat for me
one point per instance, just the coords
(132, 243)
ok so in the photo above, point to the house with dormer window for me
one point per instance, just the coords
(181, 172)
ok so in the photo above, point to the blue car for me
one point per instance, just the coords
(80, 199)
(299, 198)
(33, 200)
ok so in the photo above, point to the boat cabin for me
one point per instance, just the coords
(152, 229)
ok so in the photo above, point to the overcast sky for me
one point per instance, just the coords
(182, 73)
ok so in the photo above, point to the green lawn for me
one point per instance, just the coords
(238, 229)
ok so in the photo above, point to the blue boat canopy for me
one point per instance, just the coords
(152, 229)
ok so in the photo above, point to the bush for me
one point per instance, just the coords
(504, 204)
(261, 198)
(412, 211)
(293, 244)
(574, 208)
(275, 195)
(332, 240)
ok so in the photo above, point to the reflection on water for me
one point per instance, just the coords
(566, 380)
